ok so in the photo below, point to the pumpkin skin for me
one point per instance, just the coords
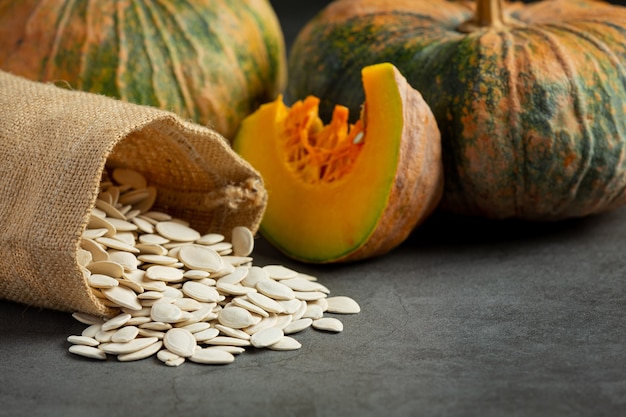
(530, 110)
(393, 184)
(210, 61)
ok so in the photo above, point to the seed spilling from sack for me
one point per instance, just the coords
(184, 295)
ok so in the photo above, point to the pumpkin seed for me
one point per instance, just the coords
(122, 296)
(91, 330)
(110, 268)
(126, 176)
(342, 305)
(82, 340)
(207, 334)
(280, 272)
(200, 291)
(243, 241)
(164, 273)
(102, 281)
(286, 343)
(141, 353)
(212, 356)
(210, 239)
(297, 326)
(165, 312)
(275, 290)
(127, 347)
(330, 324)
(266, 337)
(235, 317)
(88, 352)
(200, 257)
(184, 295)
(116, 322)
(180, 342)
(229, 331)
(177, 231)
(125, 334)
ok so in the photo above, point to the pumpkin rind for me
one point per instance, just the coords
(394, 184)
(531, 113)
(210, 61)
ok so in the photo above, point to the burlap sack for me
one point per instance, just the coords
(54, 144)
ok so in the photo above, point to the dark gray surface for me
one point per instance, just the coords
(467, 318)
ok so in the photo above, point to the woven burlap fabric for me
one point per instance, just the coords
(54, 146)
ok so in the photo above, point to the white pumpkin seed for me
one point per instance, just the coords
(200, 257)
(207, 334)
(313, 311)
(265, 302)
(102, 281)
(141, 353)
(113, 243)
(127, 347)
(123, 297)
(82, 340)
(151, 333)
(254, 275)
(275, 290)
(195, 327)
(177, 231)
(156, 325)
(235, 317)
(115, 322)
(125, 334)
(212, 357)
(280, 272)
(229, 331)
(242, 240)
(297, 326)
(153, 239)
(91, 330)
(165, 313)
(200, 292)
(342, 305)
(233, 289)
(180, 342)
(242, 302)
(266, 337)
(228, 341)
(234, 350)
(329, 324)
(177, 288)
(88, 352)
(286, 343)
(157, 259)
(210, 239)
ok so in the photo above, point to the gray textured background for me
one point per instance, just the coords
(467, 318)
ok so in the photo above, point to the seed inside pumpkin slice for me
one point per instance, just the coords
(341, 191)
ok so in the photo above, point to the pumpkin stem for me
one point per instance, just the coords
(488, 14)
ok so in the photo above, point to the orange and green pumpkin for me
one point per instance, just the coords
(211, 61)
(342, 192)
(530, 98)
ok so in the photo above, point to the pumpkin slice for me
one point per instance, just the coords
(343, 192)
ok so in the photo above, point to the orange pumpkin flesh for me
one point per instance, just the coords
(344, 192)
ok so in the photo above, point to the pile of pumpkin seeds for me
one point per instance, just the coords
(183, 295)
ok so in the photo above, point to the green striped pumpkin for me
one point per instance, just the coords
(211, 61)
(530, 98)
